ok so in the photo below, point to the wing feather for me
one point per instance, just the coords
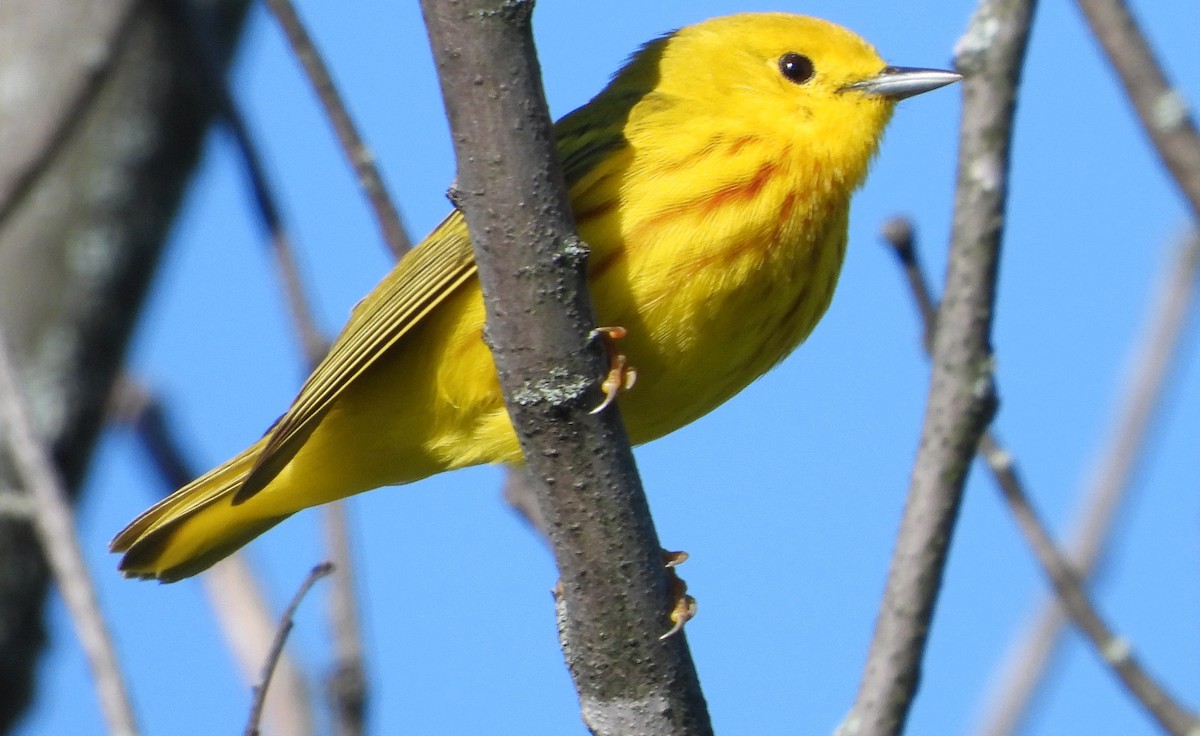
(424, 278)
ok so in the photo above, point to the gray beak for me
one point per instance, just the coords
(898, 82)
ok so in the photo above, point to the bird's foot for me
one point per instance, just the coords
(621, 376)
(684, 609)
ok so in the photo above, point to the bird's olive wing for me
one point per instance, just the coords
(414, 287)
(421, 281)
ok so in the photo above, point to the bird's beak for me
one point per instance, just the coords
(898, 82)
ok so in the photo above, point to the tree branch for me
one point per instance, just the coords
(1115, 651)
(1068, 578)
(961, 395)
(286, 623)
(101, 125)
(357, 154)
(614, 594)
(1162, 110)
(55, 526)
(1109, 484)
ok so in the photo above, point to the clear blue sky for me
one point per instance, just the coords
(787, 498)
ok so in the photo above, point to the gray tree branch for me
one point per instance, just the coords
(357, 154)
(1068, 576)
(962, 394)
(1161, 109)
(1103, 495)
(614, 593)
(54, 524)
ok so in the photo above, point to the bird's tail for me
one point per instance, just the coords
(196, 526)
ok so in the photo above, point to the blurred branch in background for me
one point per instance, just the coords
(1025, 673)
(961, 395)
(357, 154)
(520, 496)
(1114, 650)
(232, 588)
(101, 125)
(1162, 110)
(347, 684)
(1104, 494)
(54, 523)
(312, 342)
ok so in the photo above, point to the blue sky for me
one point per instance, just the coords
(787, 498)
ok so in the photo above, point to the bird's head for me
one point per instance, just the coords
(810, 85)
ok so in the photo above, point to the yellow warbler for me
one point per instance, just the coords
(712, 180)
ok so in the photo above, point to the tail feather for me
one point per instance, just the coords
(194, 527)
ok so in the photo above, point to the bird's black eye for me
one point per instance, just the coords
(797, 68)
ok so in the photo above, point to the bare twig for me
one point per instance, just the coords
(1117, 468)
(55, 526)
(347, 684)
(281, 634)
(1114, 650)
(613, 590)
(961, 396)
(357, 154)
(898, 231)
(231, 587)
(1162, 110)
(1109, 484)
(248, 625)
(201, 37)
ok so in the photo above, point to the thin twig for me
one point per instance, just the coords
(347, 684)
(898, 232)
(357, 154)
(961, 395)
(1161, 109)
(1110, 482)
(1114, 650)
(281, 634)
(232, 589)
(312, 341)
(613, 591)
(55, 526)
(1156, 357)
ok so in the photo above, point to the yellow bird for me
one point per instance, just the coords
(712, 180)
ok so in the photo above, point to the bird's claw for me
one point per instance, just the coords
(621, 376)
(684, 609)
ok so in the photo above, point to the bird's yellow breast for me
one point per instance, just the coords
(714, 284)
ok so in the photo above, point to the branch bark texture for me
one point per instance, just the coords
(962, 393)
(613, 591)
